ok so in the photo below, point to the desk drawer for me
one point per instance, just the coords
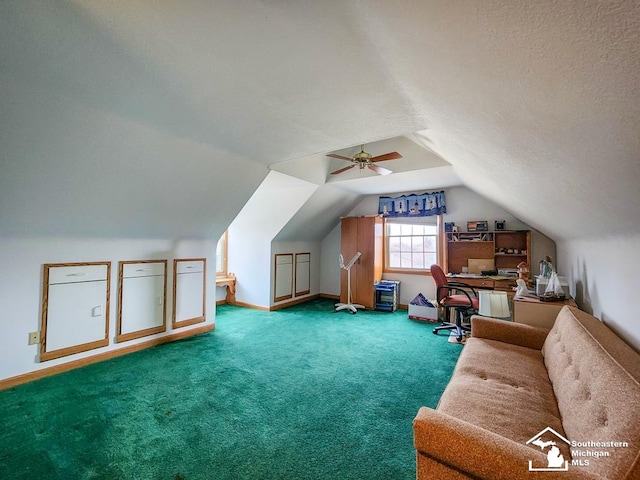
(506, 285)
(476, 282)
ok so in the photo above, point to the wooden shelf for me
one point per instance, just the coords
(470, 236)
(461, 246)
(470, 241)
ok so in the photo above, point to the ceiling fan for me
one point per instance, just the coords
(364, 159)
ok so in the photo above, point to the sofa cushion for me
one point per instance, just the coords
(503, 388)
(595, 378)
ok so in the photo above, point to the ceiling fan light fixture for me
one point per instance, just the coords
(364, 159)
(362, 155)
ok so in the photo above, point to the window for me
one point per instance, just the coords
(412, 244)
(221, 256)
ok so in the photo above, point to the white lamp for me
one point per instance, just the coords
(493, 304)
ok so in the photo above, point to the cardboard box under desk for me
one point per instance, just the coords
(428, 314)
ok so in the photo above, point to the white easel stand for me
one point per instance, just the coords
(351, 307)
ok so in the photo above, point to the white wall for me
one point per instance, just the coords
(329, 265)
(81, 182)
(603, 277)
(270, 207)
(462, 205)
(221, 293)
(21, 288)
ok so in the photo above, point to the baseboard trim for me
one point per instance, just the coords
(330, 296)
(287, 304)
(82, 362)
(294, 302)
(250, 305)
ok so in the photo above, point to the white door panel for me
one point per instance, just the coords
(76, 314)
(189, 296)
(142, 303)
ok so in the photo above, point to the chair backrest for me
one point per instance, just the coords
(441, 280)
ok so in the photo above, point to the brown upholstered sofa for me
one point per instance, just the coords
(518, 393)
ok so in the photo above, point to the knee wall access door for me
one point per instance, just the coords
(189, 280)
(283, 277)
(303, 274)
(75, 308)
(141, 298)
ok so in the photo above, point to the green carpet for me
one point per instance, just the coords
(301, 393)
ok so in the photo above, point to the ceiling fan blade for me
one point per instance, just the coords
(380, 170)
(386, 156)
(340, 157)
(344, 169)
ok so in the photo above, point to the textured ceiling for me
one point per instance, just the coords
(535, 105)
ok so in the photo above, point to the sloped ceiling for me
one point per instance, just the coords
(317, 216)
(535, 105)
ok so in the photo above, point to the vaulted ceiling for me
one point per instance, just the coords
(535, 105)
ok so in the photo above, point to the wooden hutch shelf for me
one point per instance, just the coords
(506, 248)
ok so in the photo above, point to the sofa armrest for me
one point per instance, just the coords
(478, 452)
(508, 332)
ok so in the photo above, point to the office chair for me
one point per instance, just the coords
(454, 295)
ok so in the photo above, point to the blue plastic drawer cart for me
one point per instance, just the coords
(387, 295)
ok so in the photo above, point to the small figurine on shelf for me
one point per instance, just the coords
(546, 267)
(523, 271)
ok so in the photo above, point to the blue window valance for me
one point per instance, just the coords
(413, 205)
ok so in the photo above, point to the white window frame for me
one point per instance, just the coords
(440, 242)
(222, 255)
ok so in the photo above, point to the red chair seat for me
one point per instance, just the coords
(460, 301)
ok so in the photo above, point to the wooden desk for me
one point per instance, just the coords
(230, 282)
(492, 283)
(531, 311)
